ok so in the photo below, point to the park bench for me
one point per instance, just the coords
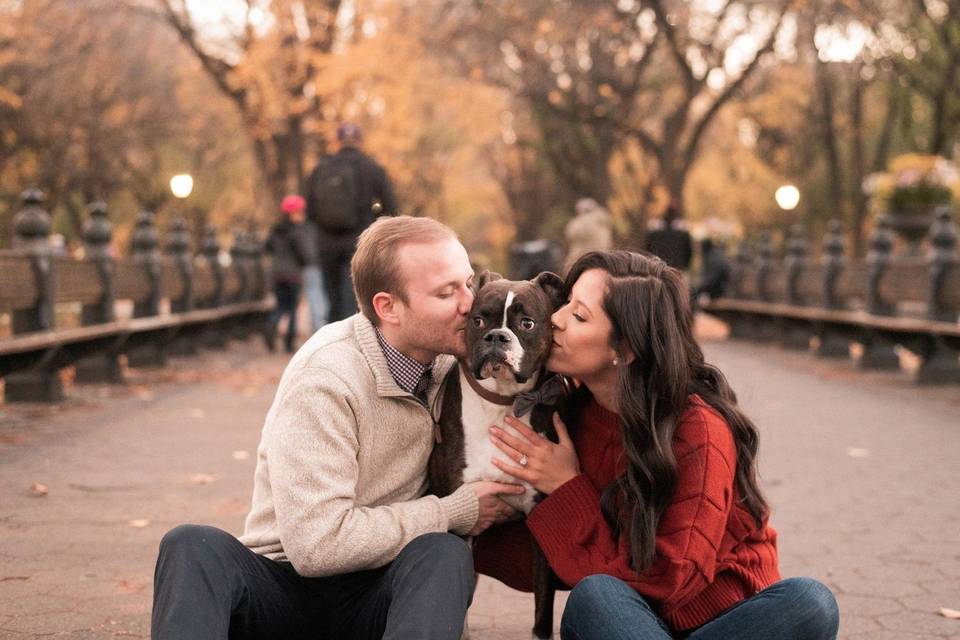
(831, 303)
(89, 312)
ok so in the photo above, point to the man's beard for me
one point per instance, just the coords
(454, 344)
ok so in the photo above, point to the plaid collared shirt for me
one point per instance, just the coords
(406, 371)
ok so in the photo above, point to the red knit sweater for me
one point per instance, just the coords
(709, 552)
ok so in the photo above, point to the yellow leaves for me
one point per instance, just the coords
(914, 162)
(10, 99)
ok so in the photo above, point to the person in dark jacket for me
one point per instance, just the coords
(290, 250)
(671, 242)
(714, 270)
(348, 191)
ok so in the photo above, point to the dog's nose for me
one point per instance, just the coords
(498, 336)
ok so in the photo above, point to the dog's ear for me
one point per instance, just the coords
(553, 285)
(483, 278)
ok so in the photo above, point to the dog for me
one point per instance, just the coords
(509, 335)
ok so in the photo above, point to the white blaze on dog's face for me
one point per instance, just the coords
(508, 333)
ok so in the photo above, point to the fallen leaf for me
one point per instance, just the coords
(38, 490)
(197, 413)
(855, 452)
(143, 393)
(953, 614)
(139, 523)
(131, 587)
(203, 478)
(241, 455)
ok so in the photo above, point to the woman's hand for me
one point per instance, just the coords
(548, 465)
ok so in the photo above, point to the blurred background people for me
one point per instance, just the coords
(289, 248)
(714, 271)
(590, 229)
(313, 286)
(347, 192)
(670, 240)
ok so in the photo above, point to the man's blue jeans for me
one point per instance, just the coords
(316, 295)
(602, 607)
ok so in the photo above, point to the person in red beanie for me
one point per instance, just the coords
(653, 512)
(291, 251)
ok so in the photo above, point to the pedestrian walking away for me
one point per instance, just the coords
(714, 272)
(670, 240)
(290, 250)
(591, 229)
(341, 541)
(313, 283)
(347, 191)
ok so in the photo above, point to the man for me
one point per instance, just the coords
(348, 190)
(341, 541)
(671, 241)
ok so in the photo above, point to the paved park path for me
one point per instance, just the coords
(862, 470)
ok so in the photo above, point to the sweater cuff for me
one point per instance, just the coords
(462, 508)
(571, 502)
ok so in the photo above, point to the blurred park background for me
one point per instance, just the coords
(814, 141)
(492, 116)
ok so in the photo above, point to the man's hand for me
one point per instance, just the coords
(493, 510)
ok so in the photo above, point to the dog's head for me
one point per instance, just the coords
(509, 332)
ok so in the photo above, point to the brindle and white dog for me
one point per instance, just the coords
(508, 336)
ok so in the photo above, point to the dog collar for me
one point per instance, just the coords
(550, 392)
(486, 394)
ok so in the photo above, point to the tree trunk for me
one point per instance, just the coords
(857, 162)
(828, 130)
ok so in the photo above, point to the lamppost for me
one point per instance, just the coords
(787, 197)
(181, 185)
(178, 248)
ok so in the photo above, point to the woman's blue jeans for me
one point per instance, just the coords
(602, 607)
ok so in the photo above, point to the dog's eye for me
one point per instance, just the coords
(527, 324)
(478, 322)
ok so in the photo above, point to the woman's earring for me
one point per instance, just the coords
(616, 362)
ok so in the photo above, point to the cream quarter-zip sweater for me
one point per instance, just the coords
(342, 462)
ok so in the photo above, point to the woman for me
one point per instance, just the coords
(291, 251)
(653, 510)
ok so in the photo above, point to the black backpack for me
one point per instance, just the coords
(336, 194)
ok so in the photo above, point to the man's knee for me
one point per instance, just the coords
(194, 540)
(819, 615)
(442, 549)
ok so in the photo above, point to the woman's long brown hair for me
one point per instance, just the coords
(648, 305)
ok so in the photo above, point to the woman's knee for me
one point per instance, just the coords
(593, 600)
(818, 612)
(597, 589)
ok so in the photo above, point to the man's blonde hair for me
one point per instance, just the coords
(376, 266)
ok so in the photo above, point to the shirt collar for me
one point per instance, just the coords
(405, 370)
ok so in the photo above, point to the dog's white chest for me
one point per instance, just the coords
(477, 417)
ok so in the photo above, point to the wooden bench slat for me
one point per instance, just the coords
(815, 314)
